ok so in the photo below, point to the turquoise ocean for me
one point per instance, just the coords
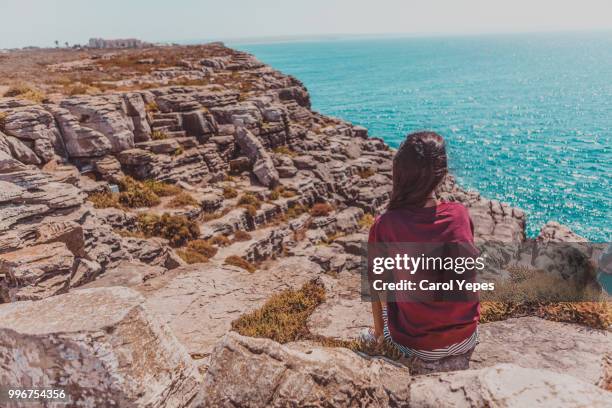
(527, 118)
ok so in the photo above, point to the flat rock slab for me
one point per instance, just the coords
(343, 314)
(101, 346)
(505, 385)
(532, 342)
(200, 301)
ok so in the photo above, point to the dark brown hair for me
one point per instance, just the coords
(419, 166)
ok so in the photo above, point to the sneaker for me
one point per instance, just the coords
(367, 336)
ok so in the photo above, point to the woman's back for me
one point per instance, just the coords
(428, 325)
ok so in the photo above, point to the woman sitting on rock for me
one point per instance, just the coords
(434, 334)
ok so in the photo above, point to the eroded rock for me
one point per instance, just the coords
(100, 345)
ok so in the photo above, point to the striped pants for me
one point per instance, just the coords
(453, 350)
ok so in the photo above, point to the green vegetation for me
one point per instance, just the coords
(240, 262)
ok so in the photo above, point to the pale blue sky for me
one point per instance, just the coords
(40, 22)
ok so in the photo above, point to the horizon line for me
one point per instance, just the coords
(290, 38)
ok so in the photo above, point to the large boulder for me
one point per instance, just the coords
(263, 166)
(80, 141)
(101, 346)
(251, 372)
(38, 271)
(21, 152)
(107, 115)
(36, 125)
(135, 109)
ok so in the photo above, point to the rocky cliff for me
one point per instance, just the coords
(201, 178)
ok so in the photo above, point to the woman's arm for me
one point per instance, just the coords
(377, 304)
(377, 307)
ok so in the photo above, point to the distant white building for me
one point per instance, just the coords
(118, 43)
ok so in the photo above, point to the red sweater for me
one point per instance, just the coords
(428, 325)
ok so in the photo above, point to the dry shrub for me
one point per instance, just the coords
(240, 262)
(592, 314)
(281, 191)
(366, 221)
(241, 235)
(105, 199)
(175, 228)
(220, 240)
(251, 209)
(250, 202)
(26, 92)
(77, 89)
(162, 189)
(191, 257)
(366, 173)
(527, 285)
(321, 210)
(274, 195)
(183, 199)
(151, 107)
(249, 199)
(284, 317)
(158, 135)
(296, 211)
(136, 194)
(209, 216)
(129, 234)
(3, 116)
(179, 150)
(202, 247)
(531, 292)
(229, 192)
(285, 150)
(138, 198)
(383, 348)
